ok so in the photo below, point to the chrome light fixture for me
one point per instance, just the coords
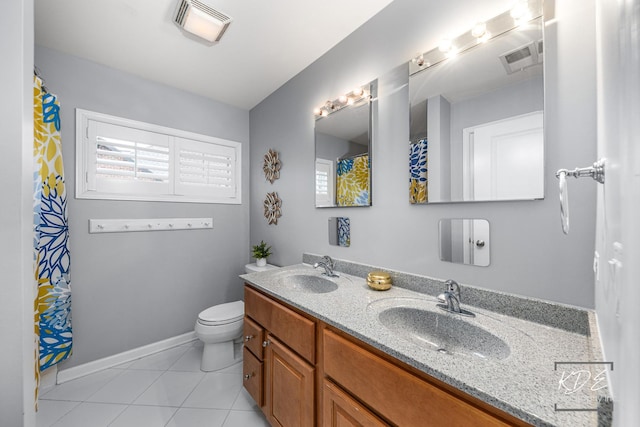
(201, 20)
(522, 12)
(356, 96)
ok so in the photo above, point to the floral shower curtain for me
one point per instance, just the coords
(352, 181)
(418, 158)
(51, 235)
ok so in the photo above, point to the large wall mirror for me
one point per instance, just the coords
(476, 125)
(342, 149)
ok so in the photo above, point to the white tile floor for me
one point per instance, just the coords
(164, 389)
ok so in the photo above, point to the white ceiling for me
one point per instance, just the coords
(267, 43)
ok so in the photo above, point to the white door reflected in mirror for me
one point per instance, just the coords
(504, 159)
(465, 241)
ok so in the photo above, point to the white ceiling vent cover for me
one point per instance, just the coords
(201, 20)
(522, 57)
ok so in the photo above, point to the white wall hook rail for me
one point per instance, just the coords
(154, 224)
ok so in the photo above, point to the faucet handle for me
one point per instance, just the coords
(453, 287)
(330, 262)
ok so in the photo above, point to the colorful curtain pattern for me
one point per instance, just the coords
(344, 231)
(418, 172)
(352, 183)
(51, 234)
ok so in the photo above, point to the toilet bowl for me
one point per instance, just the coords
(220, 327)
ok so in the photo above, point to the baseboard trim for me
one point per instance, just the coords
(48, 379)
(124, 357)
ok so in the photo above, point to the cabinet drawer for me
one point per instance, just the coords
(397, 395)
(341, 410)
(290, 327)
(253, 336)
(252, 373)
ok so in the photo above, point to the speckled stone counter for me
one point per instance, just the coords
(538, 379)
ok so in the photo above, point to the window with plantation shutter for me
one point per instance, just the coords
(122, 159)
(203, 168)
(325, 183)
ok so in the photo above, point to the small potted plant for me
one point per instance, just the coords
(260, 253)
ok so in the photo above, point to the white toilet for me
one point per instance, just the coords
(219, 327)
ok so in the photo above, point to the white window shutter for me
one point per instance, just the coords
(206, 169)
(121, 159)
(130, 161)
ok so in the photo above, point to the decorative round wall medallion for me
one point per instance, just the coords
(271, 166)
(272, 208)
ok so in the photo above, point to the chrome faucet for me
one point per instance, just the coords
(328, 264)
(450, 299)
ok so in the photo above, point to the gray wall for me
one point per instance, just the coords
(530, 255)
(132, 289)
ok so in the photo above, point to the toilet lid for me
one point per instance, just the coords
(222, 314)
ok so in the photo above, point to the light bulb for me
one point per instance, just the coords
(317, 112)
(479, 30)
(520, 10)
(358, 92)
(419, 60)
(445, 45)
(342, 99)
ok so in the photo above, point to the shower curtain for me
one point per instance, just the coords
(418, 159)
(352, 181)
(51, 235)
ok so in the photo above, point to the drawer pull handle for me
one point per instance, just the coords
(247, 377)
(266, 343)
(248, 338)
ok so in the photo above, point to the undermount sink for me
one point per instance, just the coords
(443, 332)
(311, 283)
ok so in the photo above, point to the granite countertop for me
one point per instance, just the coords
(525, 381)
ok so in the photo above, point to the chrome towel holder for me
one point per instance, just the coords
(596, 171)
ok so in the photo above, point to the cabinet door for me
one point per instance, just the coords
(289, 387)
(341, 410)
(252, 374)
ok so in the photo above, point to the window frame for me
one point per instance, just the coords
(84, 168)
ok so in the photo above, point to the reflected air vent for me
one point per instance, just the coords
(522, 57)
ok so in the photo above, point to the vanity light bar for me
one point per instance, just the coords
(521, 13)
(357, 95)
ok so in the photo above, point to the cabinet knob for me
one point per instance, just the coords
(480, 243)
(248, 337)
(266, 343)
(248, 376)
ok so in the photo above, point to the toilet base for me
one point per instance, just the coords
(218, 356)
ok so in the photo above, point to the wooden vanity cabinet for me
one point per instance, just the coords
(348, 382)
(287, 355)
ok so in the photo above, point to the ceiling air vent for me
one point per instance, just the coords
(201, 20)
(522, 57)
